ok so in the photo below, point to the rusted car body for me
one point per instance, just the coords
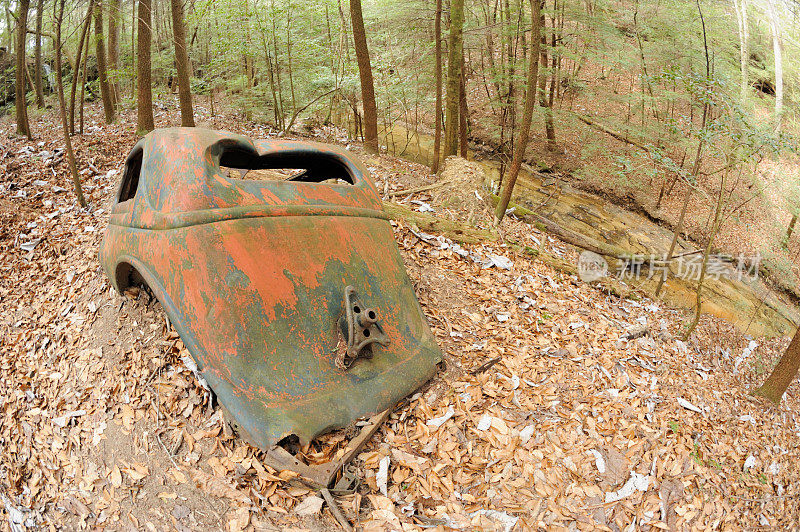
(290, 294)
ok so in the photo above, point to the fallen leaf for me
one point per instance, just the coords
(311, 505)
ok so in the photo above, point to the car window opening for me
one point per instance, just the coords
(130, 177)
(278, 166)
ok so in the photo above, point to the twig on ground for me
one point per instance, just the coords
(417, 189)
(486, 365)
(158, 437)
(178, 443)
(335, 510)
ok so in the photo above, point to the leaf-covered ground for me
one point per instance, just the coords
(543, 416)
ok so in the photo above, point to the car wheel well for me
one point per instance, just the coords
(127, 276)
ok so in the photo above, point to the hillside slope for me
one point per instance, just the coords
(543, 414)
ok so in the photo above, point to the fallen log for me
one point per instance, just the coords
(469, 235)
(608, 131)
(452, 229)
(414, 190)
(576, 239)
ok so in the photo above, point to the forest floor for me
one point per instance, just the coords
(544, 415)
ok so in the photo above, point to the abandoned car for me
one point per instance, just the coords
(277, 266)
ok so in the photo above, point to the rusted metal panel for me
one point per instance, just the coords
(262, 278)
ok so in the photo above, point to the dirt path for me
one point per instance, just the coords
(543, 416)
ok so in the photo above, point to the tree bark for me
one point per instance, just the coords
(365, 73)
(789, 231)
(113, 48)
(102, 70)
(454, 62)
(144, 90)
(698, 158)
(437, 138)
(510, 105)
(29, 79)
(275, 104)
(783, 374)
(714, 230)
(182, 63)
(133, 47)
(777, 46)
(527, 115)
(744, 55)
(73, 167)
(12, 34)
(463, 113)
(79, 60)
(678, 229)
(546, 100)
(84, 74)
(21, 104)
(37, 74)
(281, 106)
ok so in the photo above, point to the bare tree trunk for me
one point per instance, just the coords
(510, 106)
(73, 167)
(133, 47)
(454, 62)
(365, 73)
(697, 158)
(744, 55)
(491, 18)
(113, 48)
(249, 66)
(21, 104)
(29, 79)
(783, 374)
(555, 76)
(463, 112)
(545, 100)
(281, 106)
(789, 231)
(37, 74)
(182, 62)
(335, 60)
(275, 105)
(12, 34)
(678, 229)
(714, 230)
(777, 46)
(83, 80)
(102, 70)
(437, 136)
(527, 114)
(79, 60)
(144, 90)
(290, 71)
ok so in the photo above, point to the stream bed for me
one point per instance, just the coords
(743, 300)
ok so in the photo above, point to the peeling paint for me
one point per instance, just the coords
(253, 275)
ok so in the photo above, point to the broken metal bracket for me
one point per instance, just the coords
(324, 475)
